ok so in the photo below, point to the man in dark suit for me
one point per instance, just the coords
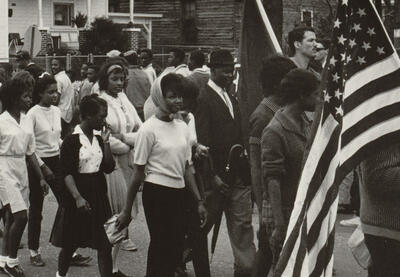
(218, 126)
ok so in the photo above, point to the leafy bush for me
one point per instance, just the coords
(80, 20)
(105, 35)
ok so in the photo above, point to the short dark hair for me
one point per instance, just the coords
(296, 83)
(132, 59)
(190, 93)
(41, 85)
(147, 51)
(103, 73)
(274, 68)
(198, 57)
(26, 78)
(61, 61)
(179, 54)
(171, 81)
(96, 68)
(90, 105)
(10, 92)
(297, 34)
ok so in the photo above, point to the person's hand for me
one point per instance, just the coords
(123, 220)
(47, 173)
(45, 186)
(277, 239)
(220, 185)
(82, 204)
(201, 209)
(105, 132)
(201, 151)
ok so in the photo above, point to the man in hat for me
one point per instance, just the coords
(218, 127)
(24, 61)
(138, 87)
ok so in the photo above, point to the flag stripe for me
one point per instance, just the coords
(369, 135)
(373, 72)
(367, 91)
(315, 228)
(369, 121)
(388, 139)
(313, 187)
(302, 252)
(324, 256)
(375, 103)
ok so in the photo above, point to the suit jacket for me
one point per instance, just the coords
(216, 128)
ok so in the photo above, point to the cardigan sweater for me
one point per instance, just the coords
(380, 193)
(282, 147)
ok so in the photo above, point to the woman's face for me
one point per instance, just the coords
(174, 101)
(115, 83)
(49, 95)
(25, 101)
(309, 102)
(98, 121)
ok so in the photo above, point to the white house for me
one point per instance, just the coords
(55, 16)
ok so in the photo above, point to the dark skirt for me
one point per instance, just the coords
(76, 228)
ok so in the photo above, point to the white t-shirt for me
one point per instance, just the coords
(67, 96)
(47, 128)
(164, 147)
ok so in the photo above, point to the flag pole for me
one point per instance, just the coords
(268, 25)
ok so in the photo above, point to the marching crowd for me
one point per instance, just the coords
(176, 135)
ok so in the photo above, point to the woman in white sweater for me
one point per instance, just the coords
(162, 155)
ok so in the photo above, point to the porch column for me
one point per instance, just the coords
(131, 10)
(89, 12)
(4, 31)
(40, 10)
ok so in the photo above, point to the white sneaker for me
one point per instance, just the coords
(128, 245)
(352, 222)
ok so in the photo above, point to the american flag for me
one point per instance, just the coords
(360, 115)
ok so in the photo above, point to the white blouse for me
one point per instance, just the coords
(90, 154)
(123, 119)
(16, 139)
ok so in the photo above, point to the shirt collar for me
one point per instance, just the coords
(78, 130)
(270, 104)
(215, 87)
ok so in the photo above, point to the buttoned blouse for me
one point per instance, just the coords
(90, 154)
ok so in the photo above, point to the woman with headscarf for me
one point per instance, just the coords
(161, 159)
(124, 123)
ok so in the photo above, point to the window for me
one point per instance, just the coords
(188, 9)
(63, 13)
(118, 6)
(307, 17)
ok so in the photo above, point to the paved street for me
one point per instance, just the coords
(133, 263)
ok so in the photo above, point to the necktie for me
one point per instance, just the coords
(228, 103)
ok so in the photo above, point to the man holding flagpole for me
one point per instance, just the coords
(360, 117)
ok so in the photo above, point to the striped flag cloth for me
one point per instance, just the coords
(360, 115)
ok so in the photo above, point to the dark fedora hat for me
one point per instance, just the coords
(221, 57)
